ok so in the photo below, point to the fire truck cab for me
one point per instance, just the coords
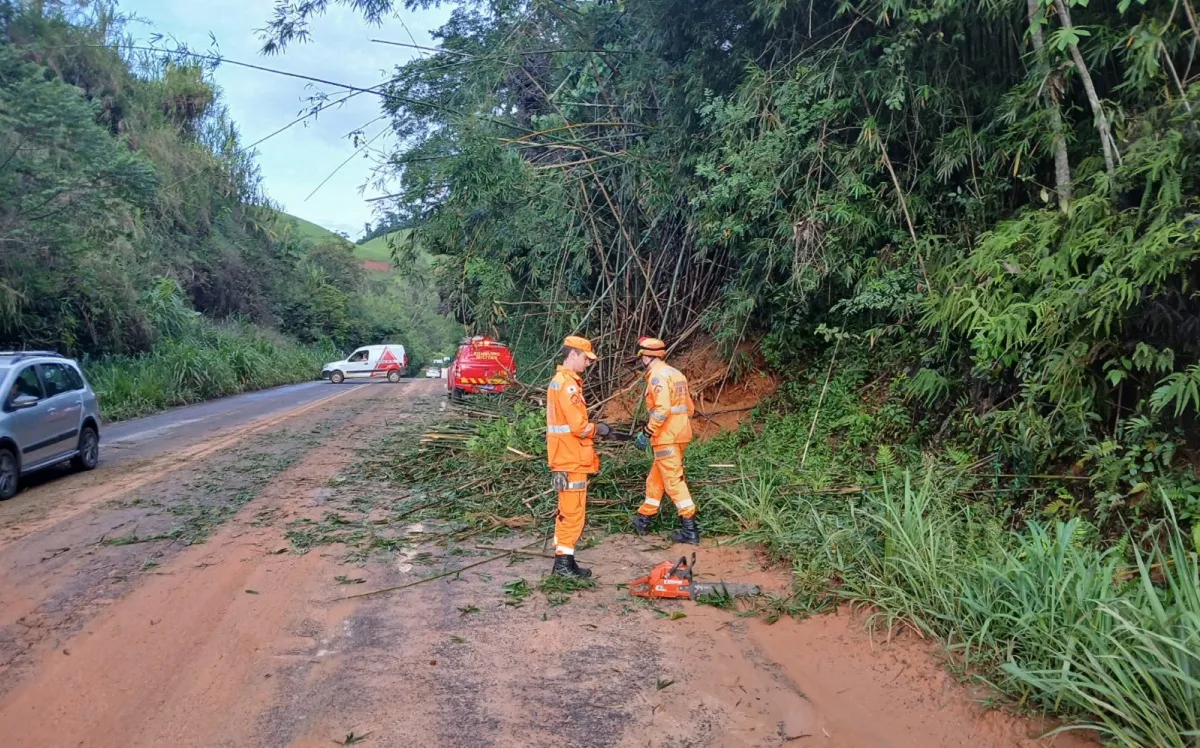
(481, 365)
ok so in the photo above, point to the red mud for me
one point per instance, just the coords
(235, 643)
(724, 394)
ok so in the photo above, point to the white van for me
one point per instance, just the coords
(369, 362)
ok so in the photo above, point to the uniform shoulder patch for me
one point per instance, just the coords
(572, 389)
(655, 380)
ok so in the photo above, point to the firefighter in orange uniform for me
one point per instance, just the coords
(570, 450)
(668, 431)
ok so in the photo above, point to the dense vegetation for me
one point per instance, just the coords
(967, 232)
(133, 222)
(997, 199)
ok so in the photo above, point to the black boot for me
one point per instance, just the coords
(688, 531)
(641, 523)
(565, 566)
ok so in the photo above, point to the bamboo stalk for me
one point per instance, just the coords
(435, 577)
(813, 426)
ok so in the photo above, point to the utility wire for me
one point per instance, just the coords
(348, 158)
(300, 76)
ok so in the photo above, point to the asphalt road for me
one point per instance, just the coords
(152, 435)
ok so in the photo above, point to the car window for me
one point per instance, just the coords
(26, 383)
(358, 356)
(75, 378)
(57, 379)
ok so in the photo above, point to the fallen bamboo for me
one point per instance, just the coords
(515, 550)
(443, 575)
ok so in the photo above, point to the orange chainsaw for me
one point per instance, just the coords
(673, 581)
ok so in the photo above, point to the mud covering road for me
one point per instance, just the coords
(198, 594)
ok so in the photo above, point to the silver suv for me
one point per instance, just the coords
(48, 415)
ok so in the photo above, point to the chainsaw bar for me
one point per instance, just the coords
(732, 589)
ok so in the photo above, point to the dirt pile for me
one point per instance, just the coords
(724, 388)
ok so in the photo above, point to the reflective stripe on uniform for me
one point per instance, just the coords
(657, 417)
(587, 431)
(664, 452)
(679, 409)
(558, 429)
(577, 485)
(562, 550)
(652, 502)
(685, 504)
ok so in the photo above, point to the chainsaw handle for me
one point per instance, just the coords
(683, 563)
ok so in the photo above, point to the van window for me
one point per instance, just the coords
(358, 356)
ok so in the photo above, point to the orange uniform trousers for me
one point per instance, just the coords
(666, 476)
(572, 512)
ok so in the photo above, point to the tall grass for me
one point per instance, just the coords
(203, 362)
(1108, 637)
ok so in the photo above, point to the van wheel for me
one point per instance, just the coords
(89, 450)
(10, 474)
(393, 376)
(337, 377)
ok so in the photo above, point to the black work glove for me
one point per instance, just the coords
(603, 429)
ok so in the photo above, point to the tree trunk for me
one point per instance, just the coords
(1062, 163)
(1106, 138)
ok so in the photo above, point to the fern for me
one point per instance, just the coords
(1180, 389)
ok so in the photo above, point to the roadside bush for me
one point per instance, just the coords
(206, 361)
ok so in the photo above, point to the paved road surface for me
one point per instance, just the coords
(146, 437)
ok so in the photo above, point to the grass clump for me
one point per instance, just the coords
(208, 361)
(556, 584)
(1106, 636)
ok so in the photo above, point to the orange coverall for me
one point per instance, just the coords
(572, 456)
(670, 405)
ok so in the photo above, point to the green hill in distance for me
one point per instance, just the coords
(307, 229)
(373, 251)
(378, 249)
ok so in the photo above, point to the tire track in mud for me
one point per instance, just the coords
(54, 581)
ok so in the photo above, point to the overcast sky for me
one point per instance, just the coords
(294, 162)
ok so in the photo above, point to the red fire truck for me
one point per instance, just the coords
(481, 365)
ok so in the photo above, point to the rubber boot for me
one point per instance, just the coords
(688, 531)
(565, 566)
(641, 523)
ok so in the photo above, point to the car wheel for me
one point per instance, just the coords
(10, 474)
(393, 376)
(337, 377)
(89, 450)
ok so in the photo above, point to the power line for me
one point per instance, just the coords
(218, 59)
(348, 159)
